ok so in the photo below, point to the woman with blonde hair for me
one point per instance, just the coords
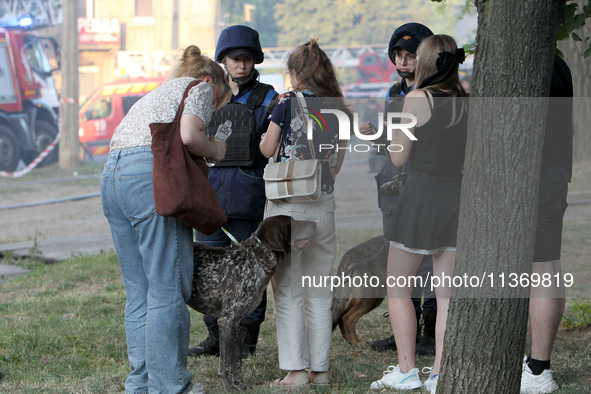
(303, 314)
(426, 215)
(155, 252)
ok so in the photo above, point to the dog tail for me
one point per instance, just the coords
(338, 307)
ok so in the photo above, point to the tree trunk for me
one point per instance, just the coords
(581, 71)
(486, 326)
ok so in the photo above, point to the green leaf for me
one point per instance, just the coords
(576, 37)
(470, 48)
(587, 52)
(559, 52)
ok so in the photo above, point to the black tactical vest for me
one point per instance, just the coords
(243, 143)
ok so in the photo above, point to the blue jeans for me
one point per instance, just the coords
(156, 258)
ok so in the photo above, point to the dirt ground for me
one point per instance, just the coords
(68, 228)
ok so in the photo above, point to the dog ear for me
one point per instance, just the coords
(275, 233)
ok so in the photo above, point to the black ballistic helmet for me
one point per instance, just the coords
(407, 36)
(237, 40)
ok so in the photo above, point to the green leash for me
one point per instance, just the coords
(234, 241)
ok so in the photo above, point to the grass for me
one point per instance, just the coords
(581, 177)
(62, 332)
(61, 326)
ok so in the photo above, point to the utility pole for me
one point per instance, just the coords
(69, 143)
(175, 25)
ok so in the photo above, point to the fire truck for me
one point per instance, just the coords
(28, 97)
(377, 74)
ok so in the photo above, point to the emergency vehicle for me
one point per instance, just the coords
(105, 108)
(377, 74)
(28, 97)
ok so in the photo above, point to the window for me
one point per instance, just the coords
(99, 109)
(143, 8)
(36, 55)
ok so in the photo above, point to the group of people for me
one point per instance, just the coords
(155, 252)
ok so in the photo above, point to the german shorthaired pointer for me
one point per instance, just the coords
(228, 283)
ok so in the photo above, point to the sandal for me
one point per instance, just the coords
(321, 379)
(300, 381)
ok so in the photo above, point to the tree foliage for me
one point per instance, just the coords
(352, 22)
(574, 21)
(258, 14)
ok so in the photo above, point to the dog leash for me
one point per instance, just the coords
(234, 241)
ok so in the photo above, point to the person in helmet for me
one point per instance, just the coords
(238, 179)
(402, 51)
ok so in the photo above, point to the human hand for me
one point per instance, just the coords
(220, 150)
(366, 128)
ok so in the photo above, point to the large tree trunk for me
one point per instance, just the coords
(581, 71)
(486, 327)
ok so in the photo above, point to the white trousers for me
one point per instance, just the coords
(302, 313)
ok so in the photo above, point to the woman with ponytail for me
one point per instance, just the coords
(425, 218)
(155, 252)
(303, 313)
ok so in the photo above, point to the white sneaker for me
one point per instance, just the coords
(537, 384)
(396, 379)
(198, 388)
(430, 384)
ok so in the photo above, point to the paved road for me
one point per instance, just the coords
(60, 230)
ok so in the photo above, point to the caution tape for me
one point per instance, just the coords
(34, 163)
(68, 100)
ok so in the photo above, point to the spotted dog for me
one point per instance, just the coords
(228, 283)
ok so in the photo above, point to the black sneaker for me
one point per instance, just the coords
(383, 345)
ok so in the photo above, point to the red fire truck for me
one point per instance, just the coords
(28, 98)
(377, 74)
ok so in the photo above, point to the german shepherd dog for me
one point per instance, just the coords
(351, 301)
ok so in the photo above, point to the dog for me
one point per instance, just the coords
(229, 282)
(350, 303)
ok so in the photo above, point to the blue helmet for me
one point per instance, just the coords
(237, 40)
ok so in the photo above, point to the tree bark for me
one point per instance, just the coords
(486, 326)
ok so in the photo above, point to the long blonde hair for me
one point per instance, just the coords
(428, 53)
(195, 65)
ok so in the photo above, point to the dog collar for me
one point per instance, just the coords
(234, 241)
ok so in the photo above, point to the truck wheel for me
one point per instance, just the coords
(9, 150)
(45, 133)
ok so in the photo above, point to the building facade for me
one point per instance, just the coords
(131, 38)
